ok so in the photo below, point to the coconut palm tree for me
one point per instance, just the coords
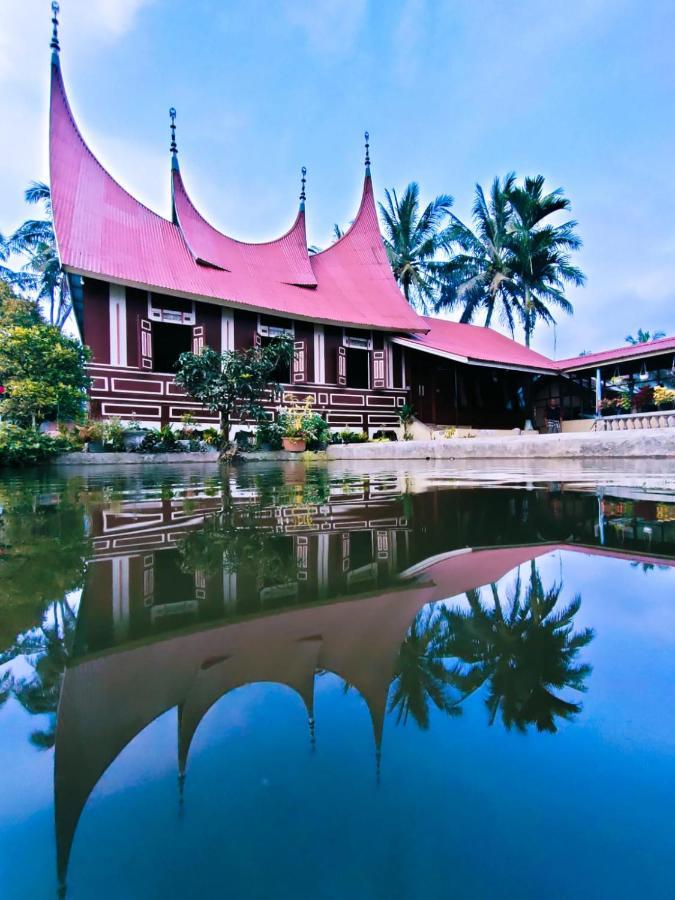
(643, 337)
(421, 673)
(479, 276)
(414, 242)
(541, 251)
(524, 651)
(34, 241)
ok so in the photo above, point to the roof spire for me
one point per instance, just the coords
(54, 45)
(174, 146)
(303, 181)
(367, 137)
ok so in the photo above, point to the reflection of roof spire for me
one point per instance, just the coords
(174, 145)
(367, 137)
(55, 47)
(303, 181)
(378, 765)
(181, 762)
(312, 734)
(61, 890)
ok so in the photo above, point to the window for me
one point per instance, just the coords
(282, 373)
(168, 342)
(358, 364)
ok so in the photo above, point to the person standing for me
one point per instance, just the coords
(553, 417)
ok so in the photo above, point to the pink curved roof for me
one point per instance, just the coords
(285, 259)
(104, 232)
(476, 344)
(619, 354)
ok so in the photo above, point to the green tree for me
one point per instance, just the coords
(35, 245)
(232, 383)
(524, 651)
(643, 337)
(415, 243)
(540, 252)
(16, 310)
(43, 373)
(479, 276)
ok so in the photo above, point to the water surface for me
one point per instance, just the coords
(290, 682)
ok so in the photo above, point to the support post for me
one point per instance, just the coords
(598, 390)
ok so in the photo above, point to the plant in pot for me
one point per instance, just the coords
(133, 434)
(644, 399)
(269, 435)
(92, 436)
(664, 397)
(610, 406)
(300, 427)
(113, 436)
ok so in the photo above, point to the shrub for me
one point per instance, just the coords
(27, 447)
(350, 437)
(163, 440)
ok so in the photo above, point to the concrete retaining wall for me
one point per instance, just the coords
(658, 443)
(134, 459)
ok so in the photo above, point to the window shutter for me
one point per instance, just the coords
(198, 340)
(342, 366)
(145, 343)
(377, 362)
(299, 362)
(257, 340)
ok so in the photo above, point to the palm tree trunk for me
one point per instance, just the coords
(528, 318)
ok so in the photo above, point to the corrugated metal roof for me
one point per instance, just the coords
(474, 343)
(619, 354)
(103, 231)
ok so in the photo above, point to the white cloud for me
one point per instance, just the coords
(25, 24)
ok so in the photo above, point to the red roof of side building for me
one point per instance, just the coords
(104, 232)
(476, 344)
(619, 354)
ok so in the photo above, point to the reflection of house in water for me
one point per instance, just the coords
(161, 627)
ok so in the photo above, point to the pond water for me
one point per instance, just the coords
(290, 682)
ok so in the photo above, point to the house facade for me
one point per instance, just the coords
(147, 288)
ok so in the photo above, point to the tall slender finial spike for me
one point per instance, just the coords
(303, 181)
(54, 45)
(367, 137)
(174, 145)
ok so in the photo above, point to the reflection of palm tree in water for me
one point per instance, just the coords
(421, 673)
(47, 649)
(523, 652)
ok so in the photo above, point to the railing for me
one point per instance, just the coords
(663, 418)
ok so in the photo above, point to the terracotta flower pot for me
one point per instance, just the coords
(295, 445)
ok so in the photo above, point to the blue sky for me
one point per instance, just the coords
(452, 93)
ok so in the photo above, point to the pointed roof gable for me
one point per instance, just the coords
(104, 232)
(285, 259)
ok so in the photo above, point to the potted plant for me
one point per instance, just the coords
(92, 436)
(133, 434)
(664, 397)
(644, 399)
(609, 406)
(301, 426)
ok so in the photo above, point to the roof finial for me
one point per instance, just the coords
(303, 181)
(54, 45)
(174, 146)
(367, 137)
